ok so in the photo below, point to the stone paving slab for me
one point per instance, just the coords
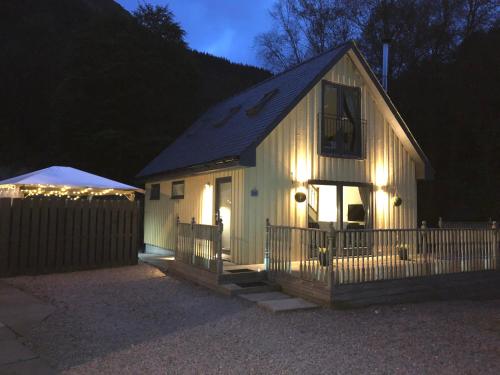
(20, 310)
(289, 304)
(267, 296)
(13, 351)
(6, 334)
(31, 367)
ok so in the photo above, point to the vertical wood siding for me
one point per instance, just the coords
(290, 153)
(160, 215)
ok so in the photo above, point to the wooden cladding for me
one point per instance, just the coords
(45, 236)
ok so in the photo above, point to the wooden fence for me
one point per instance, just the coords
(199, 245)
(44, 236)
(359, 256)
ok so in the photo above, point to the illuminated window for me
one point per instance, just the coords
(340, 121)
(154, 193)
(178, 190)
(346, 206)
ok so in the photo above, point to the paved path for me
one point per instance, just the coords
(19, 313)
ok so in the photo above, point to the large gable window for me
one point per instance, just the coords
(341, 126)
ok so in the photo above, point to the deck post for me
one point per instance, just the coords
(496, 244)
(193, 255)
(220, 265)
(331, 242)
(440, 222)
(266, 249)
(424, 247)
(177, 221)
(339, 268)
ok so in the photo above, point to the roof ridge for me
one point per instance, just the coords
(281, 73)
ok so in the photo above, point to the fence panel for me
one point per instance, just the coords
(41, 236)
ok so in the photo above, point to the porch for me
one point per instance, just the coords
(321, 265)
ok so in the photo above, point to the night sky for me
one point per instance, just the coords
(220, 27)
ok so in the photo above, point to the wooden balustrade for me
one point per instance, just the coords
(199, 245)
(358, 256)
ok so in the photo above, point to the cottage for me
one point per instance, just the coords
(317, 144)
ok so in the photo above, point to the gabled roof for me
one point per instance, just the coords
(229, 132)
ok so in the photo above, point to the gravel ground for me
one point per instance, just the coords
(135, 320)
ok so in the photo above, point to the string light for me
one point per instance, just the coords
(67, 192)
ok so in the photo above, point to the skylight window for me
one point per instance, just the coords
(252, 111)
(227, 117)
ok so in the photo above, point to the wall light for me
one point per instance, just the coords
(300, 197)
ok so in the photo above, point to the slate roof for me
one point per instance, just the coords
(204, 143)
(235, 137)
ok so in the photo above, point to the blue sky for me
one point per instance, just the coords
(220, 27)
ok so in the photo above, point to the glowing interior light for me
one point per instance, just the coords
(327, 208)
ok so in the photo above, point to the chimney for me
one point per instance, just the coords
(385, 62)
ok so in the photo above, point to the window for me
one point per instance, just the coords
(178, 190)
(252, 111)
(340, 121)
(346, 205)
(154, 193)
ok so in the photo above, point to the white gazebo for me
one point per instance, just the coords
(64, 182)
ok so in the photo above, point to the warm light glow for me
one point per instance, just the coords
(301, 175)
(381, 176)
(327, 207)
(382, 207)
(208, 205)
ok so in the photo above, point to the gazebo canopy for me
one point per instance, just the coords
(66, 181)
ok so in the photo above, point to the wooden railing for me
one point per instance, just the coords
(199, 245)
(300, 252)
(358, 256)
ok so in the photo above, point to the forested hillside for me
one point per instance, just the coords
(85, 83)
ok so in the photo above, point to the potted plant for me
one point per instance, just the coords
(323, 257)
(402, 251)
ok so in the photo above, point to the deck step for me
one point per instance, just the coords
(285, 305)
(234, 289)
(265, 296)
(242, 277)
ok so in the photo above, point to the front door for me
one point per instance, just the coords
(223, 211)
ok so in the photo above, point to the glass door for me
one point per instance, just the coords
(223, 211)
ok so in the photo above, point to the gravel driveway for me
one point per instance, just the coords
(136, 320)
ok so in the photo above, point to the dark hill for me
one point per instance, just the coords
(83, 84)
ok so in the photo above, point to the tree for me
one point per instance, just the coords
(420, 30)
(304, 28)
(160, 21)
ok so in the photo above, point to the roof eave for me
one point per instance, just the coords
(191, 170)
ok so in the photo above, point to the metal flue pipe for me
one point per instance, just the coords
(385, 62)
